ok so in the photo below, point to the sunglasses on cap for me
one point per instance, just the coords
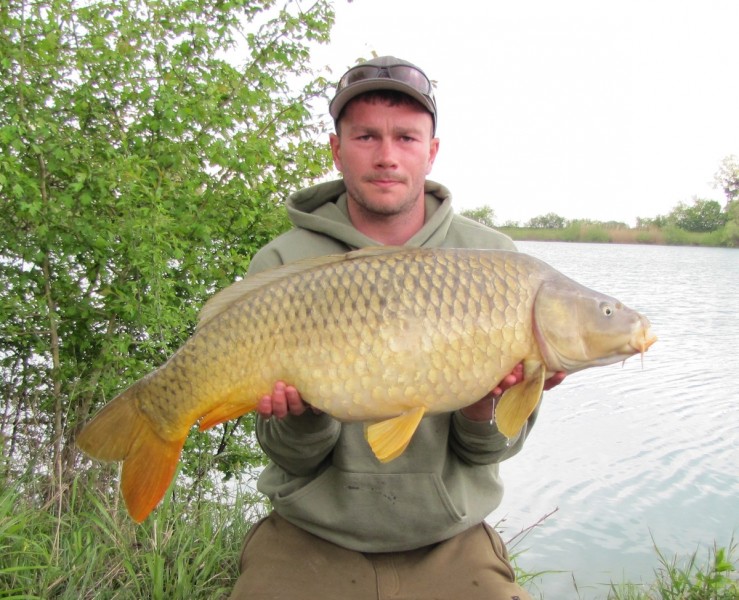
(406, 74)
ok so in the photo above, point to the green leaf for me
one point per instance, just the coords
(142, 163)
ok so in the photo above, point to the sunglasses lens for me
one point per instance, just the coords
(412, 77)
(402, 73)
(358, 74)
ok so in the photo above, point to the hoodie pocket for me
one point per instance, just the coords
(373, 512)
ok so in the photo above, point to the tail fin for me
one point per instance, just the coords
(120, 431)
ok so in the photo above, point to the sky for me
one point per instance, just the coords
(584, 108)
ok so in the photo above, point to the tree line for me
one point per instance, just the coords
(701, 216)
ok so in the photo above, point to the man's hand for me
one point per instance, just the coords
(483, 409)
(285, 400)
(554, 380)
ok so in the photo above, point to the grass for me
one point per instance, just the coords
(579, 231)
(689, 579)
(92, 550)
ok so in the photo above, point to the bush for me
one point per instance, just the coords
(730, 235)
(649, 236)
(596, 234)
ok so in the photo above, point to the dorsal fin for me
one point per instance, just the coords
(221, 301)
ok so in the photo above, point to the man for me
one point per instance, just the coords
(345, 526)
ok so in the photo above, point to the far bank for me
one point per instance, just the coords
(596, 233)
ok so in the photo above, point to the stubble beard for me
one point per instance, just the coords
(379, 208)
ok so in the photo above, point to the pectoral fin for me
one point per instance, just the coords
(388, 439)
(519, 401)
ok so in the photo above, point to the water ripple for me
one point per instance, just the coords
(636, 450)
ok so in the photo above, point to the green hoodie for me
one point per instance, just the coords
(322, 475)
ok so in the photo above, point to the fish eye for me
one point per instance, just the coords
(606, 309)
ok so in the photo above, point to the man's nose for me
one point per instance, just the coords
(386, 154)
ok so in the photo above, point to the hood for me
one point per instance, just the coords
(323, 209)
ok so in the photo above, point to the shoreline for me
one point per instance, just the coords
(594, 233)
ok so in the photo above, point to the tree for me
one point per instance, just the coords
(703, 215)
(659, 221)
(140, 168)
(727, 179)
(547, 221)
(482, 214)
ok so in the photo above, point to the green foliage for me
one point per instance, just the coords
(547, 221)
(647, 222)
(730, 234)
(145, 149)
(687, 579)
(673, 236)
(585, 231)
(703, 215)
(482, 214)
(649, 235)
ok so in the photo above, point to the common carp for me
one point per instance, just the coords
(383, 335)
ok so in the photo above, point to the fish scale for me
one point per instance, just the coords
(384, 335)
(404, 320)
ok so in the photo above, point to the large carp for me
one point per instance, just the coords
(382, 335)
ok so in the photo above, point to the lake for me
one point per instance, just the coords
(636, 454)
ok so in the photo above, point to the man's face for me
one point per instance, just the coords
(384, 153)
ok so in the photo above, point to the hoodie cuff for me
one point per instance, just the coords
(478, 435)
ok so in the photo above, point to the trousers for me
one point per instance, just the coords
(280, 561)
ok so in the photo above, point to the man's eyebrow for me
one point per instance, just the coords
(364, 129)
(397, 130)
(402, 130)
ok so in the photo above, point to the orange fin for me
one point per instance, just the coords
(111, 433)
(148, 471)
(120, 431)
(519, 401)
(224, 412)
(388, 439)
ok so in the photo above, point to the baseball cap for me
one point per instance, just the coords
(384, 73)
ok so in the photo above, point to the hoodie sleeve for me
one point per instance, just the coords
(298, 444)
(480, 442)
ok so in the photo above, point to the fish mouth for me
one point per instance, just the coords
(643, 344)
(643, 337)
(642, 340)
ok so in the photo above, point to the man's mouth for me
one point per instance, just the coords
(384, 181)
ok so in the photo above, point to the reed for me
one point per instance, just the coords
(597, 233)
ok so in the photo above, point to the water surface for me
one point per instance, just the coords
(628, 454)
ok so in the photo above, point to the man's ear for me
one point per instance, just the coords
(433, 151)
(335, 143)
